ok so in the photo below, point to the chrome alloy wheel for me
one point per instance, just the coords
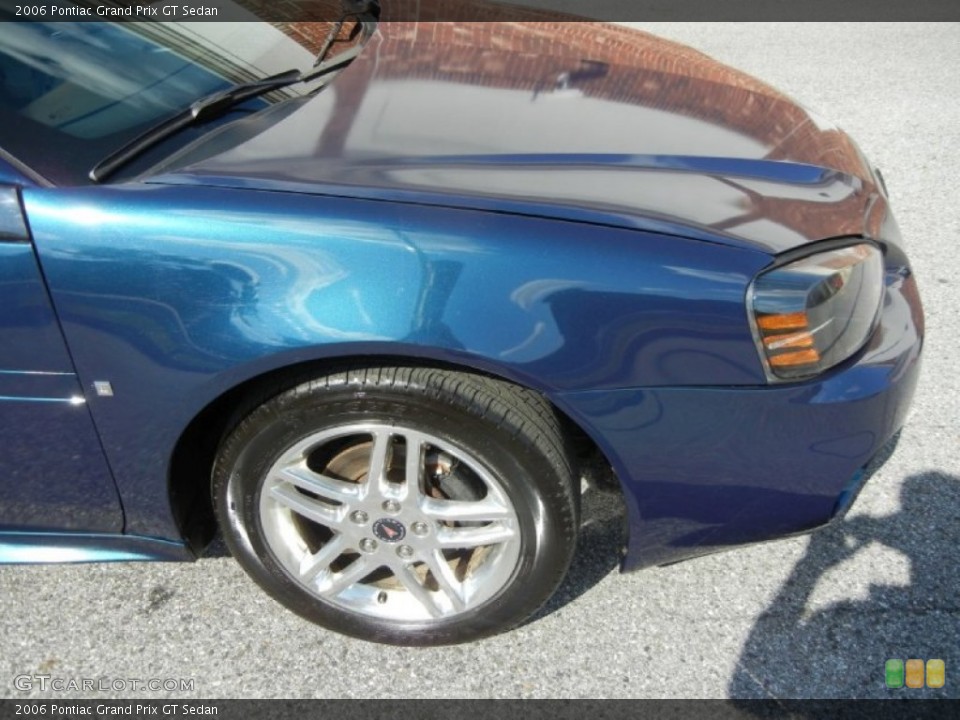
(389, 522)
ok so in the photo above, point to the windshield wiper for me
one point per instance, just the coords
(359, 9)
(220, 102)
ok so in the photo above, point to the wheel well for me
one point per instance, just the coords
(194, 454)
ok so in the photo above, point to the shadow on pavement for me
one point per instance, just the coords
(838, 648)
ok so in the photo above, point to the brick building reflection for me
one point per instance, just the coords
(534, 51)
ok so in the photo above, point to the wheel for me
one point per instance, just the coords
(410, 506)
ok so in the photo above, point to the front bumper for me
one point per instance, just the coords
(703, 468)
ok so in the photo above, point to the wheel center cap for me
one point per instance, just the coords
(389, 530)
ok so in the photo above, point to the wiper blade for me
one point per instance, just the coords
(218, 103)
(206, 108)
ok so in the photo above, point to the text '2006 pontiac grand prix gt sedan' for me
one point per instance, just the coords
(372, 315)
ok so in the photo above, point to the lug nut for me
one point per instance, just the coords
(405, 552)
(420, 528)
(368, 545)
(391, 506)
(359, 517)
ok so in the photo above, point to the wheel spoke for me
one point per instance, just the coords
(336, 583)
(414, 465)
(486, 510)
(304, 478)
(406, 575)
(307, 507)
(313, 565)
(377, 475)
(471, 537)
(446, 581)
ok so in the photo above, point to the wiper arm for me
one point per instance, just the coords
(359, 9)
(218, 103)
(368, 23)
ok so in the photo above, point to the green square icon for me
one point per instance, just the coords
(893, 673)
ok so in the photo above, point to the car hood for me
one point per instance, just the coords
(575, 121)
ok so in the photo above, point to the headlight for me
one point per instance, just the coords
(814, 313)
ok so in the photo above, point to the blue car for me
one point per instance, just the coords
(374, 301)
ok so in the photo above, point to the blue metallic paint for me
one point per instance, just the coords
(614, 190)
(555, 271)
(32, 339)
(40, 386)
(706, 468)
(54, 473)
(176, 311)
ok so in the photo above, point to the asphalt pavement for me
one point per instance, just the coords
(806, 617)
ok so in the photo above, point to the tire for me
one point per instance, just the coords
(410, 506)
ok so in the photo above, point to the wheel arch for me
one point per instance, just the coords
(196, 448)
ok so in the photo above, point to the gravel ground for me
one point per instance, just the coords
(807, 617)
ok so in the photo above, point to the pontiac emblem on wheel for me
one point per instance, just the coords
(389, 530)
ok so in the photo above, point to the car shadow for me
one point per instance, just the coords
(810, 644)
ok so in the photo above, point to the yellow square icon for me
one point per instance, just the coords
(936, 674)
(914, 673)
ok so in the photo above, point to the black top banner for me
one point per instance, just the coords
(477, 10)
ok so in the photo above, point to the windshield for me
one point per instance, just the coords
(70, 93)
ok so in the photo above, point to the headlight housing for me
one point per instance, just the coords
(814, 313)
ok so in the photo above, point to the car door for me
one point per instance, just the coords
(53, 474)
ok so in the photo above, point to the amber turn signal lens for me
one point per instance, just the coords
(793, 359)
(789, 321)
